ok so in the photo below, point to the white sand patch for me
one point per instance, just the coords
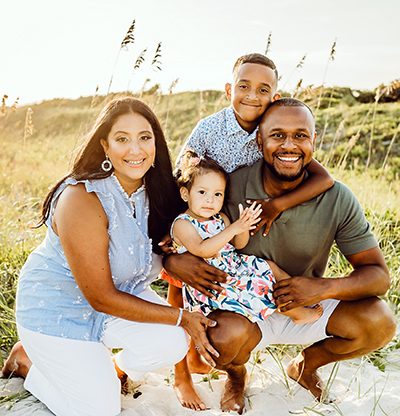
(359, 390)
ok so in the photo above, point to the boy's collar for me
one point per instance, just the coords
(232, 124)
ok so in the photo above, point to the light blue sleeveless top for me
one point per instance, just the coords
(48, 299)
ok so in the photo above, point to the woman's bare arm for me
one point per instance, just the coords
(81, 224)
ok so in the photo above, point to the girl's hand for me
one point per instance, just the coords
(166, 244)
(195, 324)
(268, 215)
(248, 218)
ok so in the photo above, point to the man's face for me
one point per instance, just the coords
(286, 138)
(252, 91)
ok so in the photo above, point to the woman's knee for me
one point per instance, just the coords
(175, 346)
(168, 348)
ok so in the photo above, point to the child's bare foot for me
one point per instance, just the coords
(126, 386)
(233, 395)
(306, 314)
(309, 379)
(196, 364)
(18, 363)
(185, 392)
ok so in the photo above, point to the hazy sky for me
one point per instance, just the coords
(55, 49)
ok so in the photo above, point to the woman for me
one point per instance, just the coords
(86, 287)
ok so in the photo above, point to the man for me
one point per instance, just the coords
(355, 322)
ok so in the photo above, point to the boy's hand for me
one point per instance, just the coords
(269, 212)
(248, 218)
(166, 244)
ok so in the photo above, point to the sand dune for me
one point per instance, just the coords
(359, 391)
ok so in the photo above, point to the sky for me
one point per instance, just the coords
(66, 49)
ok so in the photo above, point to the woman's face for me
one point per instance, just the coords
(131, 148)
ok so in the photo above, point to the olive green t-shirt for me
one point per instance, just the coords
(300, 239)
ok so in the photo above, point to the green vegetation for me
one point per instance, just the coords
(358, 139)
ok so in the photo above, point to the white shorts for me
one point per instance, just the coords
(279, 329)
(76, 378)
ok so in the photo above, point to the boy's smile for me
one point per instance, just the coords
(252, 91)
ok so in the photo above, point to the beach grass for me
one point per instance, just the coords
(38, 147)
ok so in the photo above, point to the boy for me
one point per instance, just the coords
(229, 137)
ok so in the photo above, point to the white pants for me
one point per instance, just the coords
(75, 378)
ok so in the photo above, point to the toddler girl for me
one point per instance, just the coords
(205, 232)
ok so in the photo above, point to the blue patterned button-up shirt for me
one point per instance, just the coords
(221, 138)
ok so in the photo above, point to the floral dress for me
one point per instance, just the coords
(250, 279)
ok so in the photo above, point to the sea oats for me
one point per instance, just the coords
(268, 44)
(138, 63)
(129, 38)
(3, 105)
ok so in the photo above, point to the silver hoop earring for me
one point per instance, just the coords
(153, 165)
(106, 165)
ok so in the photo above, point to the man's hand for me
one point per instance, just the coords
(195, 272)
(300, 291)
(268, 214)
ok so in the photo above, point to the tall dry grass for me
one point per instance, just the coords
(37, 150)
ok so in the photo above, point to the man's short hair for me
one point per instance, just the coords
(289, 102)
(254, 58)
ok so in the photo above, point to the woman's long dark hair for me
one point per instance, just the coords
(161, 189)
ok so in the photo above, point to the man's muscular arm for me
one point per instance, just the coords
(370, 277)
(195, 272)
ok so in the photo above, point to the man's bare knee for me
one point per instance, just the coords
(368, 322)
(382, 324)
(232, 337)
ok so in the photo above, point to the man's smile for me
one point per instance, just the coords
(289, 158)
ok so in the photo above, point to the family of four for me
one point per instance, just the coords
(121, 217)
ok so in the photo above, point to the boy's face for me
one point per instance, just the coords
(252, 91)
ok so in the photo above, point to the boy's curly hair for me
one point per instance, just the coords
(192, 166)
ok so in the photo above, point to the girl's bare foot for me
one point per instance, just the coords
(197, 365)
(18, 363)
(184, 388)
(305, 315)
(126, 386)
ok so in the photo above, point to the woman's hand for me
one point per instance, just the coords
(195, 324)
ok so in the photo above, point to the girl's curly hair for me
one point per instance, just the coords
(192, 166)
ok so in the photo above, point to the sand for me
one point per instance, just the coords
(359, 388)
